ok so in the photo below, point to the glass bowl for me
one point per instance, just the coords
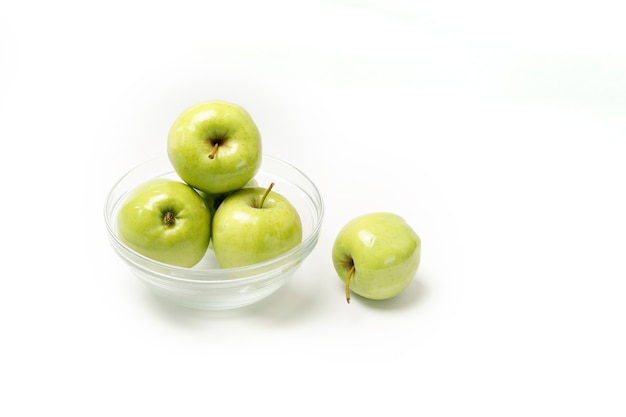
(207, 286)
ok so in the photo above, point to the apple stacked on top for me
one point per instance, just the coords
(215, 148)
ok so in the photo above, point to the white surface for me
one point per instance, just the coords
(493, 129)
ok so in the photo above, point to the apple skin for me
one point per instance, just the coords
(191, 140)
(384, 250)
(213, 201)
(141, 224)
(244, 234)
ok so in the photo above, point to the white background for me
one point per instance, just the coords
(492, 127)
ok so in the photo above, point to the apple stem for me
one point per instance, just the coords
(348, 283)
(169, 218)
(213, 151)
(266, 194)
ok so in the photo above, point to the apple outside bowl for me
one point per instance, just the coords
(206, 286)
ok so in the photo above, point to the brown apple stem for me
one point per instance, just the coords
(265, 195)
(169, 218)
(213, 151)
(348, 283)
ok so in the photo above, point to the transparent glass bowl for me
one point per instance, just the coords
(207, 286)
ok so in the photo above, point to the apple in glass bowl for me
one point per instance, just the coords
(206, 285)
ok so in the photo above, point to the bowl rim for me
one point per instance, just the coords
(203, 275)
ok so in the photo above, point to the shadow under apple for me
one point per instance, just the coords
(413, 296)
(285, 305)
(288, 304)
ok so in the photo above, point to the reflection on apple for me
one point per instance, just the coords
(376, 255)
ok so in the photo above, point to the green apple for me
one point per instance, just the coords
(376, 255)
(253, 225)
(167, 221)
(213, 201)
(215, 146)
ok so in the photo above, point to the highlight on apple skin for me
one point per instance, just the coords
(376, 255)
